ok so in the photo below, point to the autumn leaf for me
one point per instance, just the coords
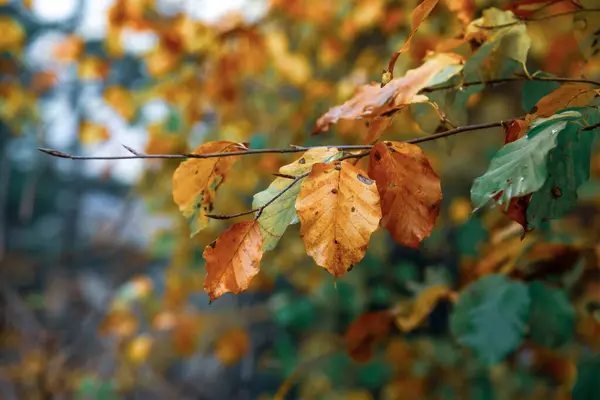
(232, 346)
(568, 95)
(409, 188)
(69, 49)
(275, 218)
(463, 9)
(196, 181)
(121, 100)
(233, 259)
(365, 332)
(338, 208)
(419, 14)
(91, 133)
(372, 101)
(411, 314)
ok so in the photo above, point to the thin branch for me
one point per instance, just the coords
(591, 127)
(537, 19)
(511, 79)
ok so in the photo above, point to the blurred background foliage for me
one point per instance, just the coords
(102, 288)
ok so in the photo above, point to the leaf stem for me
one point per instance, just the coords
(537, 19)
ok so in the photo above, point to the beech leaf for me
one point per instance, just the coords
(338, 208)
(365, 332)
(196, 181)
(233, 259)
(409, 188)
(282, 212)
(567, 95)
(411, 314)
(372, 100)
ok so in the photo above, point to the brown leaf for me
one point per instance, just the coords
(410, 315)
(365, 332)
(419, 14)
(196, 180)
(372, 101)
(233, 259)
(568, 95)
(338, 207)
(410, 190)
(515, 130)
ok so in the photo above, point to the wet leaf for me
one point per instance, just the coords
(520, 167)
(282, 212)
(372, 100)
(338, 208)
(196, 181)
(409, 188)
(490, 317)
(233, 259)
(365, 332)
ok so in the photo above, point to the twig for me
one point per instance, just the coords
(545, 17)
(511, 79)
(591, 127)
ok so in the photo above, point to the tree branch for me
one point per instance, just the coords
(537, 19)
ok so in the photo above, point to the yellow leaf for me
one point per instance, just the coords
(13, 34)
(233, 259)
(410, 190)
(312, 156)
(161, 61)
(338, 208)
(139, 349)
(196, 181)
(90, 133)
(410, 315)
(568, 95)
(69, 49)
(232, 346)
(93, 68)
(121, 100)
(372, 101)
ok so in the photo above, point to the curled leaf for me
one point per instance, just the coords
(410, 191)
(365, 332)
(233, 259)
(338, 208)
(373, 101)
(196, 181)
(410, 315)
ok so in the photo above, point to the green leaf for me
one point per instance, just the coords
(586, 387)
(568, 168)
(490, 317)
(275, 218)
(470, 235)
(374, 374)
(174, 122)
(552, 316)
(520, 167)
(533, 91)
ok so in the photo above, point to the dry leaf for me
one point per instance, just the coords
(373, 101)
(233, 259)
(91, 133)
(196, 180)
(338, 208)
(568, 95)
(463, 9)
(419, 14)
(364, 332)
(410, 315)
(409, 188)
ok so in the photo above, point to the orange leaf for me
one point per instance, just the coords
(365, 332)
(233, 259)
(568, 95)
(121, 100)
(90, 133)
(463, 9)
(419, 14)
(338, 208)
(410, 315)
(410, 190)
(515, 130)
(231, 347)
(69, 49)
(93, 68)
(373, 101)
(196, 181)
